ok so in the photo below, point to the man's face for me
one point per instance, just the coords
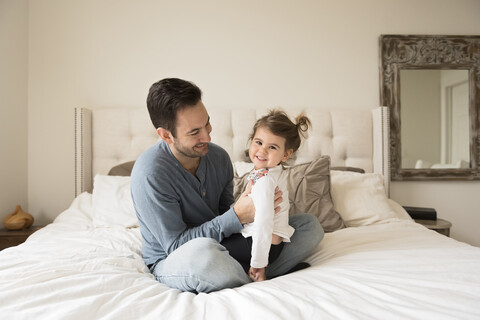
(192, 133)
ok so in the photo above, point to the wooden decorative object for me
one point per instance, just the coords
(18, 219)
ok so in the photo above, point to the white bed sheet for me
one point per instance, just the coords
(397, 270)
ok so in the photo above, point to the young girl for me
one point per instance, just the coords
(274, 139)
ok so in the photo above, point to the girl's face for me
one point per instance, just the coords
(267, 150)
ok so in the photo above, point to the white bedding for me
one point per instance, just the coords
(397, 270)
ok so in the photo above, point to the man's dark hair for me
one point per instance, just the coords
(166, 97)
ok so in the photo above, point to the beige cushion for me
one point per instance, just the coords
(352, 169)
(124, 169)
(309, 191)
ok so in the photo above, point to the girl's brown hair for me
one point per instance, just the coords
(278, 122)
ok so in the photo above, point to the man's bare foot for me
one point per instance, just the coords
(257, 274)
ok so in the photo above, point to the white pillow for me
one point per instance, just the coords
(360, 198)
(112, 202)
(399, 210)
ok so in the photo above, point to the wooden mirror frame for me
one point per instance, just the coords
(399, 52)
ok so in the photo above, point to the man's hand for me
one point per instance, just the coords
(277, 199)
(245, 209)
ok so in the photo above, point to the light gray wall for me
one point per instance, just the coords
(13, 105)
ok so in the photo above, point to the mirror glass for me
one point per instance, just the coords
(435, 118)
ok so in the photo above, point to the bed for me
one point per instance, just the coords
(379, 264)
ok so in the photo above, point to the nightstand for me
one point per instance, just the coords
(439, 225)
(10, 238)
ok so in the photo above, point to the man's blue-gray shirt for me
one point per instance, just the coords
(173, 206)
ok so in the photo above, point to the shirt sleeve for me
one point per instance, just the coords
(263, 193)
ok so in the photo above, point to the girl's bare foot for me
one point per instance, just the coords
(257, 274)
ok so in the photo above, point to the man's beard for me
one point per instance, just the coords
(191, 152)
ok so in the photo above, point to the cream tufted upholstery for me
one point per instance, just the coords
(110, 136)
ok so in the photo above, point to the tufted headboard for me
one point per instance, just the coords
(351, 137)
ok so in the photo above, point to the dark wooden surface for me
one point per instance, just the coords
(10, 238)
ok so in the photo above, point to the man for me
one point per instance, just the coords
(182, 191)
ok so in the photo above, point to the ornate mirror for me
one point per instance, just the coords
(431, 84)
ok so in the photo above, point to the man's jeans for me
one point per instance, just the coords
(204, 265)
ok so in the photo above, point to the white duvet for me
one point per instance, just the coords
(397, 270)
